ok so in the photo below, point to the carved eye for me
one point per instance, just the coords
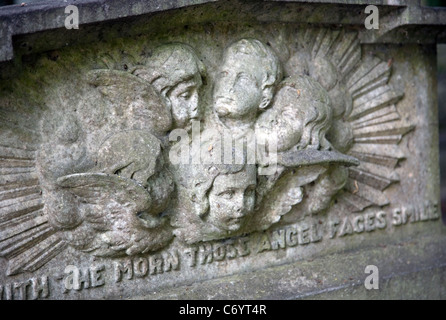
(185, 95)
(227, 194)
(288, 113)
(243, 77)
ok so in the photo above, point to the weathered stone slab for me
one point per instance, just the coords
(308, 151)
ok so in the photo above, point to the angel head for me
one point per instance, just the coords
(177, 73)
(247, 79)
(300, 116)
(224, 195)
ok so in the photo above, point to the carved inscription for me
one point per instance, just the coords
(142, 267)
(210, 252)
(77, 279)
(357, 224)
(412, 214)
(32, 289)
(295, 236)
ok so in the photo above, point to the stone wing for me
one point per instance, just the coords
(144, 107)
(98, 188)
(279, 197)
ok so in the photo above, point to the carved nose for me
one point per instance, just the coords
(194, 111)
(225, 87)
(241, 213)
(231, 89)
(239, 207)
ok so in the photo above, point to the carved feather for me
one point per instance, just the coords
(145, 108)
(97, 188)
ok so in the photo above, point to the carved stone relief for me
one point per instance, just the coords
(99, 177)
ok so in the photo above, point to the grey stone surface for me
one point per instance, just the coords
(99, 199)
(405, 21)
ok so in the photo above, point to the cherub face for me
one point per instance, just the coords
(286, 119)
(184, 101)
(238, 90)
(232, 199)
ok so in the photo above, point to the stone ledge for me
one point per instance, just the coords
(398, 16)
(419, 272)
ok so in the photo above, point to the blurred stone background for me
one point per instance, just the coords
(441, 67)
(441, 62)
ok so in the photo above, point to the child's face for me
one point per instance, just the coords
(232, 199)
(238, 89)
(184, 101)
